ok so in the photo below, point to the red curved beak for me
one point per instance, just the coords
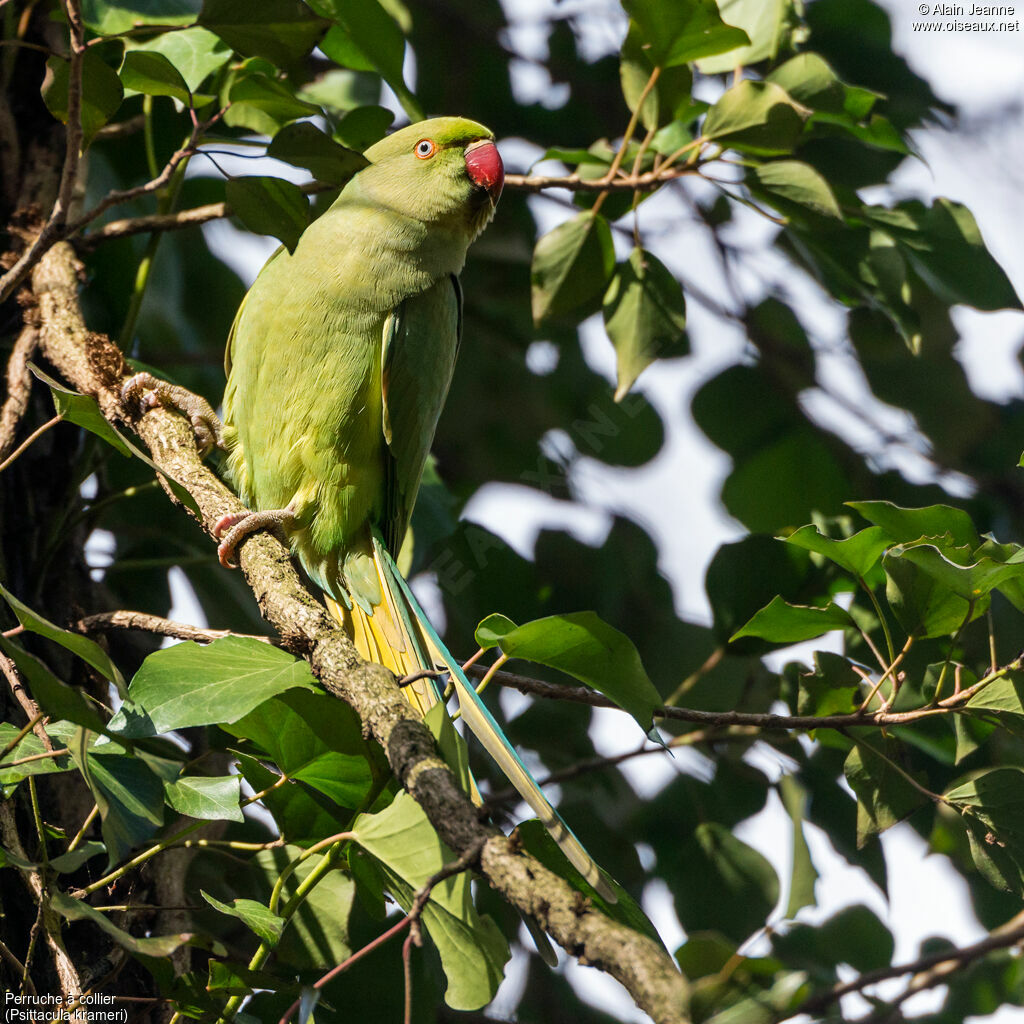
(484, 167)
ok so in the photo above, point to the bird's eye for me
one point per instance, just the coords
(425, 149)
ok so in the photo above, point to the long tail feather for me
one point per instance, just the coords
(476, 715)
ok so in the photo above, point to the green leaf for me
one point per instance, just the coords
(769, 24)
(645, 316)
(78, 910)
(571, 266)
(264, 105)
(317, 932)
(797, 182)
(28, 747)
(682, 30)
(258, 918)
(665, 102)
(111, 17)
(858, 554)
(194, 52)
(304, 145)
(954, 570)
(269, 206)
(84, 411)
(130, 797)
(302, 814)
(283, 31)
(757, 117)
(152, 73)
(88, 650)
(908, 524)
(785, 623)
(317, 740)
(365, 37)
(921, 603)
(1004, 695)
(361, 128)
(582, 645)
(857, 937)
(804, 874)
(945, 247)
(810, 80)
(992, 804)
(202, 796)
(473, 951)
(738, 887)
(190, 684)
(884, 795)
(67, 863)
(60, 701)
(101, 92)
(831, 689)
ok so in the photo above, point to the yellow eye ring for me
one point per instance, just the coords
(425, 149)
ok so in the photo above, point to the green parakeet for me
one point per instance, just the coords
(339, 363)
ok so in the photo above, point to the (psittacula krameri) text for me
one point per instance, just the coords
(339, 362)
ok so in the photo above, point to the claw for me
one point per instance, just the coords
(240, 524)
(148, 392)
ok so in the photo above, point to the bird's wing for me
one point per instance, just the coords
(421, 341)
(238, 315)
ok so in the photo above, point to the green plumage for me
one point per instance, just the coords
(339, 363)
(342, 352)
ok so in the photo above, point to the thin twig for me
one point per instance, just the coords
(28, 441)
(35, 757)
(454, 867)
(147, 623)
(21, 734)
(57, 228)
(1005, 935)
(768, 722)
(515, 182)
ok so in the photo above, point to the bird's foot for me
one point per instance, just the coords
(147, 392)
(232, 529)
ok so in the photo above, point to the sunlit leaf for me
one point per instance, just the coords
(191, 684)
(584, 646)
(781, 622)
(758, 117)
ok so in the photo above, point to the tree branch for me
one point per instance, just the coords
(516, 182)
(96, 366)
(19, 386)
(767, 722)
(104, 621)
(928, 970)
(57, 228)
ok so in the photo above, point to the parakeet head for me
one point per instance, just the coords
(444, 169)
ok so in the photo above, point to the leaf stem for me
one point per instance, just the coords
(164, 844)
(264, 950)
(881, 617)
(89, 819)
(22, 733)
(275, 896)
(627, 137)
